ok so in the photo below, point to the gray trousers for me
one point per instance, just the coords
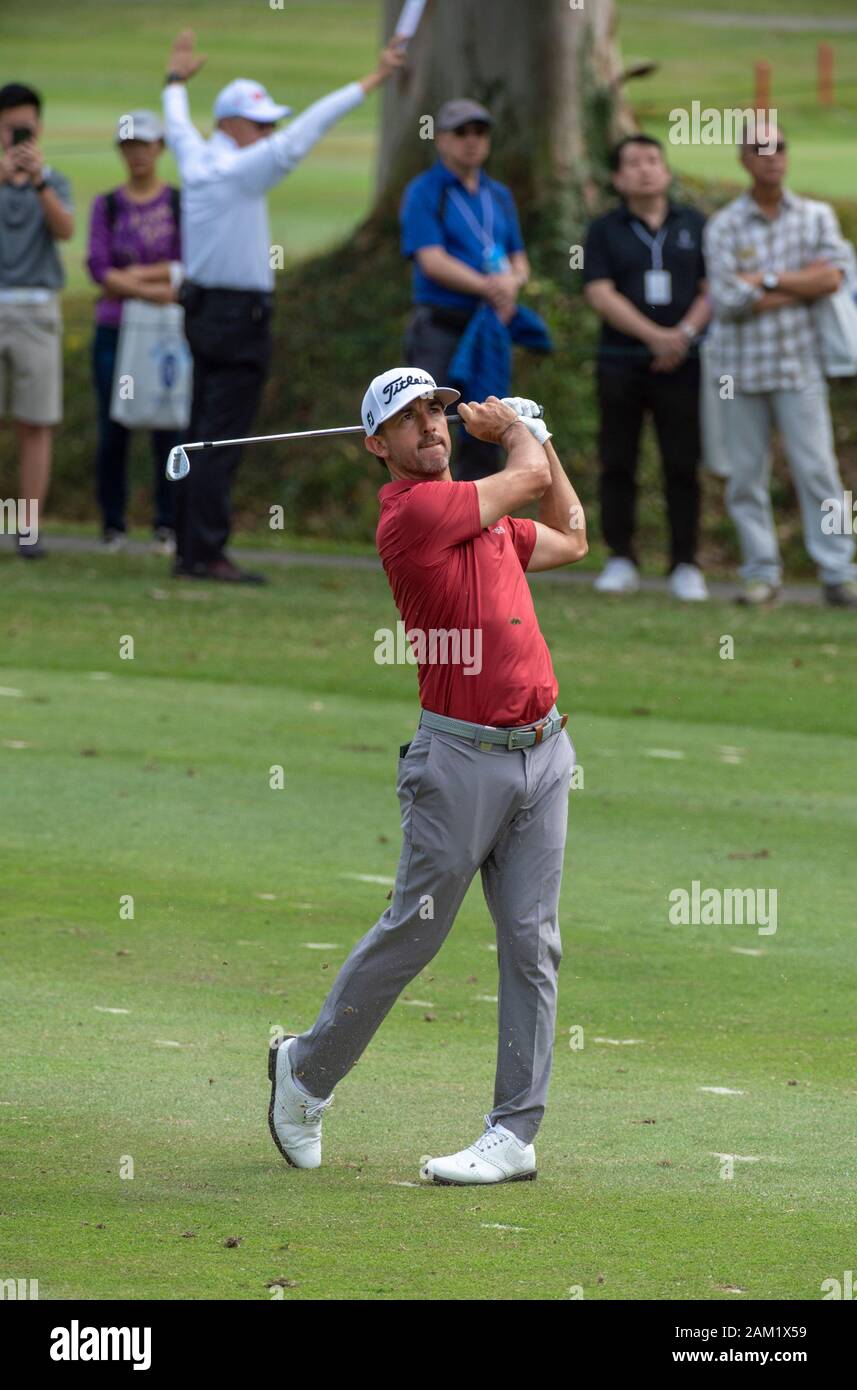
(464, 807)
(803, 420)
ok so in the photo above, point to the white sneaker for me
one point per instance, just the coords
(619, 576)
(687, 582)
(497, 1156)
(294, 1118)
(757, 593)
(164, 542)
(113, 541)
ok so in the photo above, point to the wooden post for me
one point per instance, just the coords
(762, 100)
(825, 74)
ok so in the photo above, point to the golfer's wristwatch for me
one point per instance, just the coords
(770, 280)
(689, 331)
(173, 77)
(40, 187)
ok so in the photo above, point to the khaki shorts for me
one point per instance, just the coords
(31, 362)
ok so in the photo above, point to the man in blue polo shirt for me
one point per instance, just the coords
(461, 230)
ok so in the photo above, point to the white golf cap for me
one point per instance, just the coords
(139, 125)
(249, 99)
(392, 391)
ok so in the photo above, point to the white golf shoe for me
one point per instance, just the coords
(497, 1156)
(294, 1118)
(619, 576)
(687, 582)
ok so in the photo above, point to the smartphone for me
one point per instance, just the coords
(20, 133)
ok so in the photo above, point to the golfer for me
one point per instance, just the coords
(227, 293)
(484, 783)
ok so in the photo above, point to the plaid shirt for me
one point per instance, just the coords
(778, 350)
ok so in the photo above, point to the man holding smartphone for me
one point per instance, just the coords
(35, 213)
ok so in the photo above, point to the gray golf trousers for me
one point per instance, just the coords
(464, 807)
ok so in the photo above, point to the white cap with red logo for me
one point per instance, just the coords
(249, 99)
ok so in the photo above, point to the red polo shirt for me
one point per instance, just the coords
(488, 662)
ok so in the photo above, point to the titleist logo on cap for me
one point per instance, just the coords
(393, 388)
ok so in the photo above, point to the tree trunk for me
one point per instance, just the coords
(550, 76)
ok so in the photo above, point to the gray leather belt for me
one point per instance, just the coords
(485, 735)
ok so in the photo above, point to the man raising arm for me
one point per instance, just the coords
(228, 291)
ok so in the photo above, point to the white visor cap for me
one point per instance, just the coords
(392, 391)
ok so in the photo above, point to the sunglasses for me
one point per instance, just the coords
(766, 149)
(475, 128)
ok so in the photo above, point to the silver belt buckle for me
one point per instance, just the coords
(545, 728)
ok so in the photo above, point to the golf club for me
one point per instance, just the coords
(178, 463)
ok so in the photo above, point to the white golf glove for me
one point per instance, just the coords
(528, 414)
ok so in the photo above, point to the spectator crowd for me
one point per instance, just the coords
(720, 330)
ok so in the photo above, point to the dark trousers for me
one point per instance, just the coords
(430, 343)
(626, 393)
(111, 457)
(230, 340)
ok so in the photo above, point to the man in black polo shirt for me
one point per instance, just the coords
(644, 275)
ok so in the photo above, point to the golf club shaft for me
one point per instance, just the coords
(300, 434)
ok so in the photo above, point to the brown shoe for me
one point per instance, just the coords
(227, 573)
(841, 595)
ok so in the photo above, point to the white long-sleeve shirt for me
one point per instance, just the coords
(225, 230)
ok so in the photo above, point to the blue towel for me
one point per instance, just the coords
(482, 365)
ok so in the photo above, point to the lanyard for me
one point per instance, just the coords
(654, 243)
(484, 230)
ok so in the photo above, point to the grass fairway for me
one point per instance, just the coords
(146, 1038)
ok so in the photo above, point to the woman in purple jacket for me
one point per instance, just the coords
(134, 253)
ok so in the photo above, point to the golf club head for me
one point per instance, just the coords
(178, 464)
